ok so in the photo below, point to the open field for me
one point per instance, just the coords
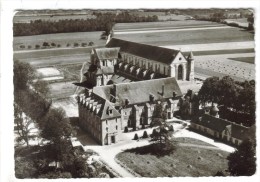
(62, 89)
(48, 72)
(250, 60)
(172, 24)
(241, 21)
(57, 60)
(220, 51)
(201, 36)
(61, 38)
(70, 71)
(222, 65)
(232, 47)
(187, 160)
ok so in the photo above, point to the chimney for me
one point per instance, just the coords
(151, 98)
(162, 90)
(126, 102)
(113, 94)
(173, 94)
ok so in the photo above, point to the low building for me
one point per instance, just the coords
(210, 124)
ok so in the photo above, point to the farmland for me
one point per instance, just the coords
(186, 160)
(156, 25)
(185, 37)
(219, 49)
(61, 38)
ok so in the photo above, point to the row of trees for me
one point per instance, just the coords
(103, 22)
(236, 97)
(54, 127)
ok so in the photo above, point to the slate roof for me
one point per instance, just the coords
(139, 92)
(155, 53)
(214, 123)
(105, 70)
(219, 125)
(119, 79)
(107, 53)
(104, 106)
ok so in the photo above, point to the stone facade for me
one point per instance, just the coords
(125, 81)
(210, 124)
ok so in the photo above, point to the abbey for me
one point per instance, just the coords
(124, 83)
(134, 62)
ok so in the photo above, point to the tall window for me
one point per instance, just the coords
(180, 72)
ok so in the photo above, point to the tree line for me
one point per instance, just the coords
(103, 22)
(30, 98)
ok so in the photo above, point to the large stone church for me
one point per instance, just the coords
(124, 83)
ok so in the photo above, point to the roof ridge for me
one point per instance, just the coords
(146, 44)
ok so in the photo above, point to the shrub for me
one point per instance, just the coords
(58, 45)
(68, 44)
(22, 46)
(53, 44)
(154, 133)
(90, 43)
(29, 47)
(84, 44)
(136, 137)
(145, 135)
(37, 46)
(76, 44)
(45, 44)
(126, 129)
(171, 128)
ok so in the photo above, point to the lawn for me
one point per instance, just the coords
(190, 36)
(250, 60)
(184, 161)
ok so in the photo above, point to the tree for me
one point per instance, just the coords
(163, 136)
(250, 21)
(55, 125)
(209, 92)
(242, 162)
(136, 137)
(23, 126)
(24, 74)
(145, 135)
(41, 87)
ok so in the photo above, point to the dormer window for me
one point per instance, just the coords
(109, 111)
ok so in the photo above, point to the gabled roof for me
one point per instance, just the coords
(214, 123)
(104, 115)
(139, 92)
(218, 124)
(239, 131)
(104, 104)
(155, 53)
(107, 53)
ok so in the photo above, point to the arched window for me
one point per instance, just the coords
(180, 72)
